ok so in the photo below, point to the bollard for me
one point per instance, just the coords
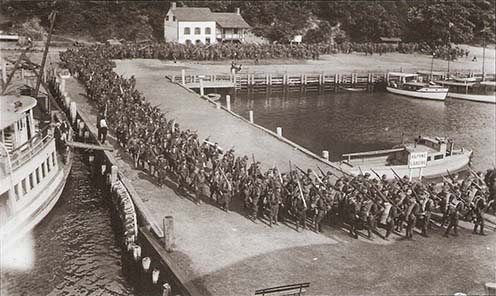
(114, 170)
(279, 132)
(145, 275)
(166, 290)
(156, 288)
(217, 105)
(325, 154)
(169, 237)
(155, 276)
(228, 102)
(250, 114)
(490, 289)
(135, 264)
(73, 111)
(202, 90)
(183, 76)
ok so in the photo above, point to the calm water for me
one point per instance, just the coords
(361, 121)
(74, 250)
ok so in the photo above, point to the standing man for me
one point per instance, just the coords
(102, 130)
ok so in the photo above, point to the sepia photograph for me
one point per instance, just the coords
(232, 148)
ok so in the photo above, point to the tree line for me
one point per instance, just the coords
(434, 22)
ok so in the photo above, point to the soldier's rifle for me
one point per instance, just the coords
(452, 189)
(227, 180)
(403, 184)
(311, 182)
(301, 194)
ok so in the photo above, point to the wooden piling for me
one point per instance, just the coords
(169, 236)
(228, 102)
(250, 114)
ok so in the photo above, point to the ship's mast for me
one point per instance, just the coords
(43, 61)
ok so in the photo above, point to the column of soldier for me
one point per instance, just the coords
(229, 51)
(309, 198)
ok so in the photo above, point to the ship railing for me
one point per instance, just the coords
(26, 151)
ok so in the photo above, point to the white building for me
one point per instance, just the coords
(196, 25)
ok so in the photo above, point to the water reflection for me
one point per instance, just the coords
(74, 249)
(361, 121)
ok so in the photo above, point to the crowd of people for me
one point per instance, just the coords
(204, 171)
(256, 52)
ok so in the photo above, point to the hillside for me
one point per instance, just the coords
(317, 21)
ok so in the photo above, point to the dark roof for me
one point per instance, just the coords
(230, 20)
(390, 39)
(200, 14)
(193, 14)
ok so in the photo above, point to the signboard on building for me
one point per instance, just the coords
(417, 160)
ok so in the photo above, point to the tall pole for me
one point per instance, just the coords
(52, 22)
(432, 63)
(483, 56)
(450, 24)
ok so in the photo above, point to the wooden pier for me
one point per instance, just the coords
(317, 82)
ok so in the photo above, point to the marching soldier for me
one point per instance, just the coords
(454, 208)
(274, 201)
(411, 216)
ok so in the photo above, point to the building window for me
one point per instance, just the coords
(43, 169)
(53, 159)
(48, 163)
(188, 42)
(235, 31)
(31, 181)
(187, 31)
(207, 41)
(37, 171)
(16, 191)
(208, 31)
(197, 31)
(173, 18)
(167, 18)
(24, 187)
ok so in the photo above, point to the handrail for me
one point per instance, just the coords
(21, 158)
(376, 152)
(31, 141)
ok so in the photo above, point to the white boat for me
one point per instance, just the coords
(32, 172)
(442, 156)
(470, 89)
(407, 84)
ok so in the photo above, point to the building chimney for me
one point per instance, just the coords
(238, 11)
(173, 5)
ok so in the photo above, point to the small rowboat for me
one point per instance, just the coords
(213, 96)
(353, 88)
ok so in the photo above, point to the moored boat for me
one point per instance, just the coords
(470, 89)
(439, 157)
(34, 166)
(407, 84)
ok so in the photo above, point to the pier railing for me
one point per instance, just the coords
(289, 81)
